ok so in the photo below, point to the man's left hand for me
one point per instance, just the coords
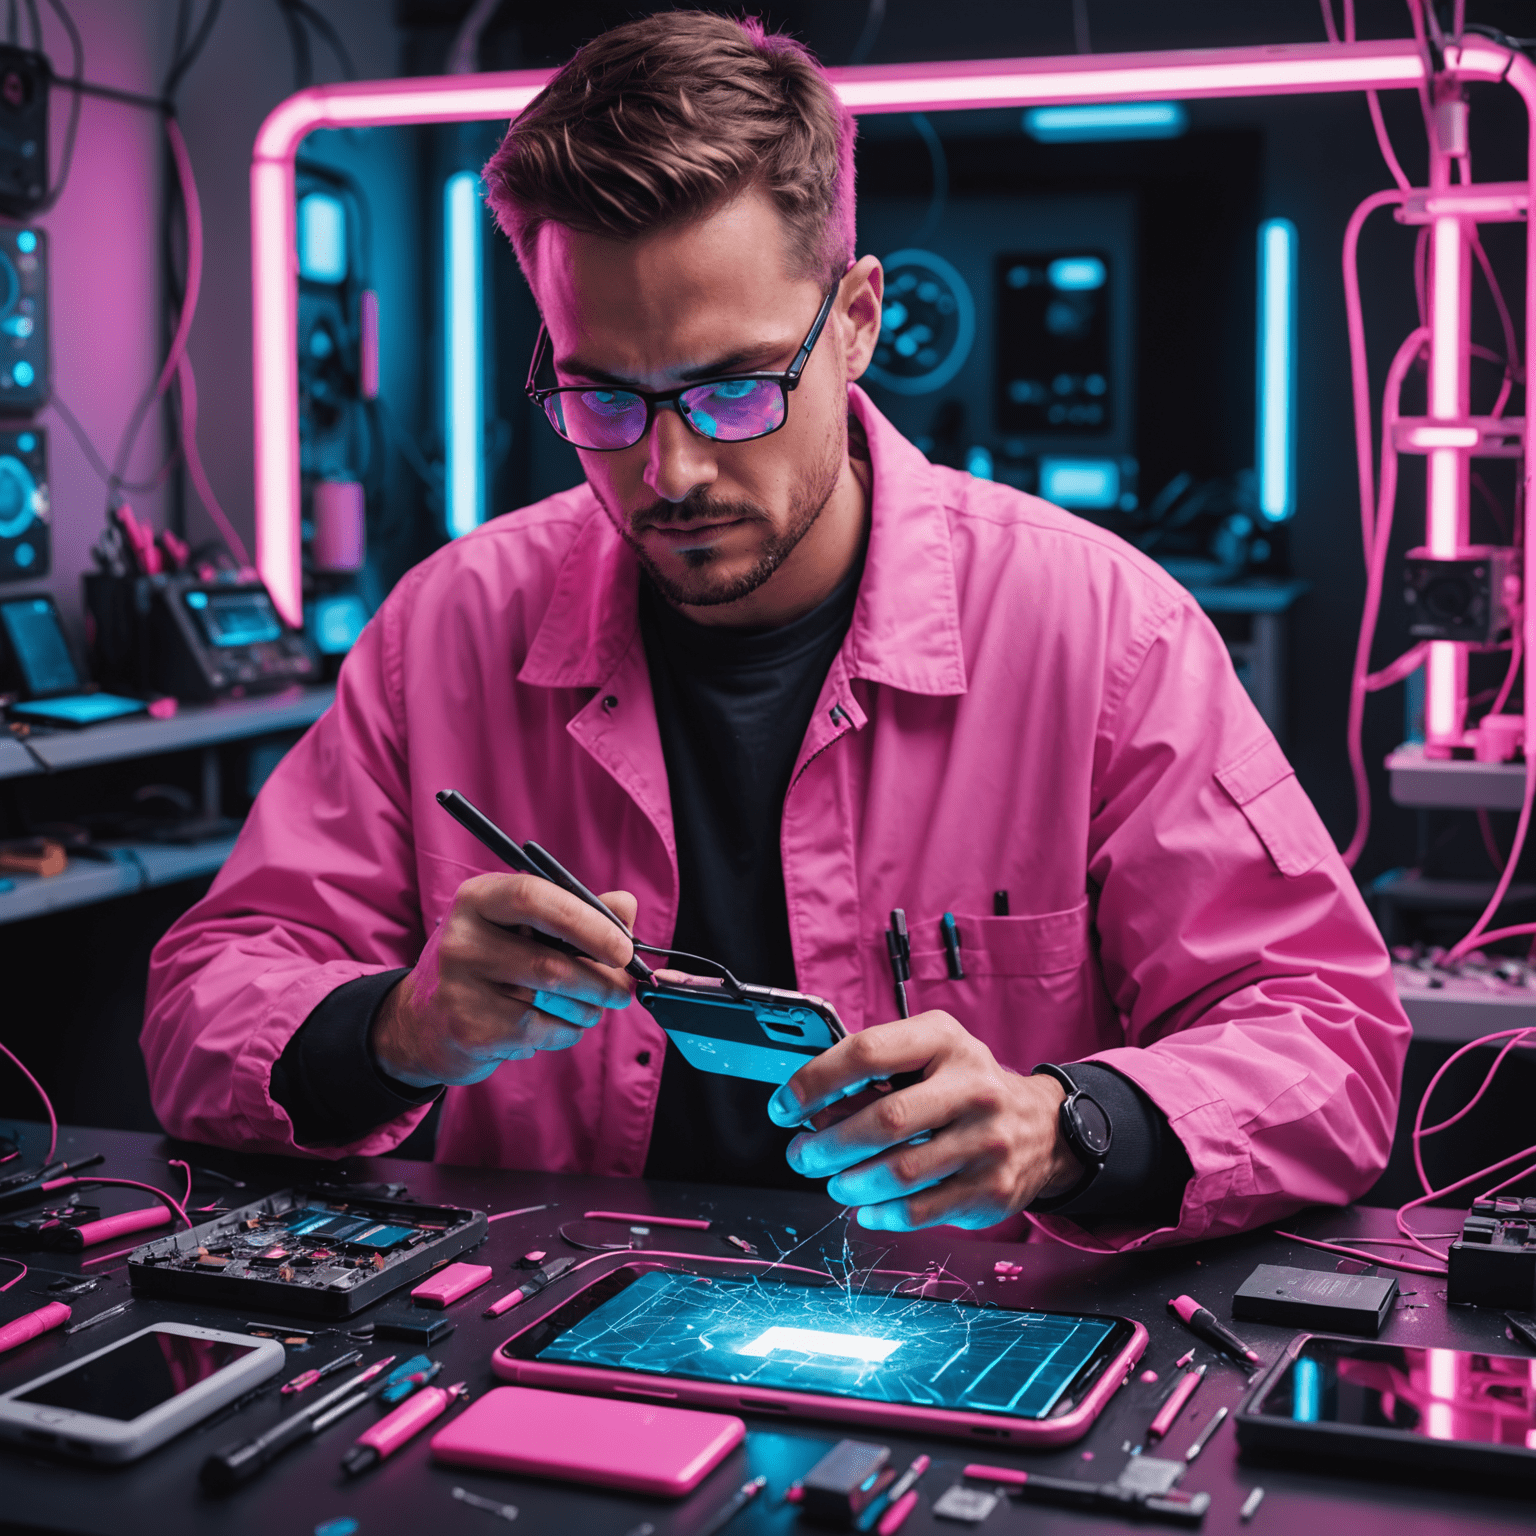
(993, 1142)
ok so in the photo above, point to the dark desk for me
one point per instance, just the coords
(409, 1494)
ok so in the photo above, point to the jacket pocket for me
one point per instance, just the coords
(1042, 944)
(1264, 787)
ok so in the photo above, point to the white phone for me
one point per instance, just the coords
(124, 1400)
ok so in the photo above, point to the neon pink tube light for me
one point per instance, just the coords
(1288, 69)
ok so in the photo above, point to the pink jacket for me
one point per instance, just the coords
(1022, 702)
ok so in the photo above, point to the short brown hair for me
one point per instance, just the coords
(658, 120)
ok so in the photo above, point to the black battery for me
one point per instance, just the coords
(1314, 1298)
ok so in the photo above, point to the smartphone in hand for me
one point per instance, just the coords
(764, 1034)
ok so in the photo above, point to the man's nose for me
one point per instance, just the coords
(678, 460)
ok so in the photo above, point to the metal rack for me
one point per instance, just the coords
(128, 867)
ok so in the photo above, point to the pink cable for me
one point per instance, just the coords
(1359, 371)
(1516, 652)
(1490, 842)
(53, 1119)
(173, 356)
(527, 1210)
(1360, 1253)
(186, 384)
(14, 1278)
(1477, 932)
(1376, 565)
(1410, 661)
(1514, 1037)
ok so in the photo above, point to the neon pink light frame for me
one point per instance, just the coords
(1287, 69)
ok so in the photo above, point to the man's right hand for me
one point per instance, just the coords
(484, 991)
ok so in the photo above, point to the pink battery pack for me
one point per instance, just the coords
(108, 1227)
(447, 1285)
(641, 1447)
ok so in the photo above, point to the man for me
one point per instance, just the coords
(765, 677)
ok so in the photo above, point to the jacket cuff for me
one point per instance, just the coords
(326, 1078)
(1147, 1168)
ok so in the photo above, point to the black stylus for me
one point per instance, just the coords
(530, 859)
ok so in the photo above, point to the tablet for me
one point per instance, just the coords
(1432, 1410)
(768, 1344)
(77, 710)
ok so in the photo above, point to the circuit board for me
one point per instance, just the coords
(308, 1252)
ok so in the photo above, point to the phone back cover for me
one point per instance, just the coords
(643, 1447)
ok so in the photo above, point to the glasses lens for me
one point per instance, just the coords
(733, 410)
(597, 418)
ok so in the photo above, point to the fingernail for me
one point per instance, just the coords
(784, 1108)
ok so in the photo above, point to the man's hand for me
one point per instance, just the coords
(994, 1145)
(484, 991)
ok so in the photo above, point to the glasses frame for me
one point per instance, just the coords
(655, 399)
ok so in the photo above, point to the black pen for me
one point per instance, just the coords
(234, 1464)
(530, 859)
(733, 1506)
(950, 933)
(898, 945)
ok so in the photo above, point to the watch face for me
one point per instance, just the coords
(1092, 1125)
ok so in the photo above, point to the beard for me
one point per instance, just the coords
(705, 585)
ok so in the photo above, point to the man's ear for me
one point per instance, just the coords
(858, 310)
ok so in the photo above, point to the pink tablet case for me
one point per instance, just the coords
(637, 1446)
(898, 1418)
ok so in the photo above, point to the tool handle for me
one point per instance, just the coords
(239, 1463)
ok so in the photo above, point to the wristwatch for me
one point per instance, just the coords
(1085, 1125)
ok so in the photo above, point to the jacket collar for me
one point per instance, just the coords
(906, 625)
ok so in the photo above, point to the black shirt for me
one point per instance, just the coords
(733, 707)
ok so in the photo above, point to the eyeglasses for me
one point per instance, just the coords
(732, 409)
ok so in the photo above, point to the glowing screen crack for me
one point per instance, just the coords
(869, 1345)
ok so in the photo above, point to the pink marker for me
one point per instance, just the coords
(1175, 1404)
(34, 1323)
(92, 1232)
(393, 1430)
(1203, 1321)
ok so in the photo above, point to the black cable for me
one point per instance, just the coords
(188, 57)
(940, 163)
(332, 38)
(13, 26)
(1080, 33)
(76, 80)
(35, 26)
(112, 93)
(298, 42)
(874, 19)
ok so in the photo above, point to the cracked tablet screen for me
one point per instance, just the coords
(868, 1345)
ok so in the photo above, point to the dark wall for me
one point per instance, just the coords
(1310, 159)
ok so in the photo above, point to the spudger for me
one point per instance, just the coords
(530, 859)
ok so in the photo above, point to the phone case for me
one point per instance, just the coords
(764, 1034)
(636, 1446)
(1026, 1434)
(87, 1436)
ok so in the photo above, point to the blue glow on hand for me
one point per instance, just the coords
(784, 1108)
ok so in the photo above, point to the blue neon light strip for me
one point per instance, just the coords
(1277, 370)
(1306, 1391)
(463, 396)
(322, 239)
(1110, 120)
